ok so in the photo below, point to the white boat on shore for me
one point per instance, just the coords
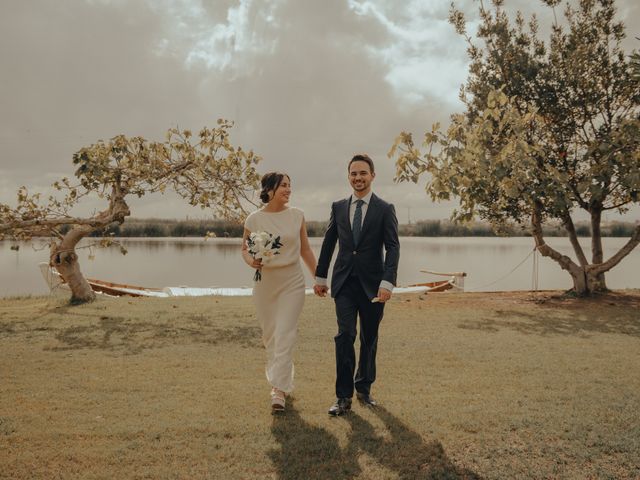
(55, 282)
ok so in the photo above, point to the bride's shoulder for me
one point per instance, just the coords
(256, 212)
(251, 217)
(297, 211)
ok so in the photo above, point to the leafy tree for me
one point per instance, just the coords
(206, 171)
(635, 62)
(549, 129)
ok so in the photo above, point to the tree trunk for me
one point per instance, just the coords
(587, 282)
(65, 260)
(580, 283)
(63, 255)
(597, 280)
(577, 272)
(587, 279)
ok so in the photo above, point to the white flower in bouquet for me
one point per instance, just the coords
(263, 246)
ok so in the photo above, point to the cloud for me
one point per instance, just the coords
(424, 58)
(308, 83)
(204, 37)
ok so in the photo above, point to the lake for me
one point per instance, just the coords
(160, 262)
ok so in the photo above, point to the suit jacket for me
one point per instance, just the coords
(366, 259)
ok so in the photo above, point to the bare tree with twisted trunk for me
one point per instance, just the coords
(207, 171)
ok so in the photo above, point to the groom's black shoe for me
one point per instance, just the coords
(366, 399)
(342, 406)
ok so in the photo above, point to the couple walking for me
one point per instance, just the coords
(366, 230)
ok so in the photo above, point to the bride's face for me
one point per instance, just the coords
(283, 192)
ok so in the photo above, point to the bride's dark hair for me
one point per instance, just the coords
(270, 183)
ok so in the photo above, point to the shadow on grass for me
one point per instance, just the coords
(308, 451)
(120, 334)
(95, 331)
(311, 452)
(15, 327)
(563, 321)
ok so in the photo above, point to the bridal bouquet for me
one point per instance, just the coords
(263, 246)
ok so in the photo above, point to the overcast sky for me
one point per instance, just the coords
(308, 83)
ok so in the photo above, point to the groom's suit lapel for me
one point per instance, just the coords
(345, 210)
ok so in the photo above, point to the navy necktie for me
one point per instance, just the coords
(357, 221)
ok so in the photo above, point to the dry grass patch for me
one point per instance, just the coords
(470, 385)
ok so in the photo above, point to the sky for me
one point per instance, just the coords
(308, 84)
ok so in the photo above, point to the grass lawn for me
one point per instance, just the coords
(473, 385)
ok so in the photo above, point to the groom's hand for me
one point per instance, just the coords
(320, 290)
(383, 295)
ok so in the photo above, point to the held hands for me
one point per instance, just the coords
(383, 296)
(320, 290)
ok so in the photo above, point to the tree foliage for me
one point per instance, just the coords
(635, 64)
(549, 128)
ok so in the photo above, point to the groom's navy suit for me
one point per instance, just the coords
(358, 272)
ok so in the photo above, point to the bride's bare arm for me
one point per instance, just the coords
(305, 250)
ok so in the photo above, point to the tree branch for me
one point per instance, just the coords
(623, 252)
(545, 250)
(569, 226)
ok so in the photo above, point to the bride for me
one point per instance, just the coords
(279, 289)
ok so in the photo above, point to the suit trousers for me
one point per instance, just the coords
(351, 302)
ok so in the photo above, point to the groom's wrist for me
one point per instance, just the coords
(386, 285)
(321, 281)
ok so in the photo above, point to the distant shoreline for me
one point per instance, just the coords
(152, 227)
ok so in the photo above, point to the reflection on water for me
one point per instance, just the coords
(217, 262)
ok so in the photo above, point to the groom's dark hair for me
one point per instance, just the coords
(270, 183)
(362, 157)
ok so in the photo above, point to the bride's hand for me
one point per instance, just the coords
(256, 263)
(252, 262)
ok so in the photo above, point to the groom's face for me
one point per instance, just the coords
(360, 177)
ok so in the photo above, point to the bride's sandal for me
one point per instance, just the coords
(277, 400)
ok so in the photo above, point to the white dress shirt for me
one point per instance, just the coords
(352, 208)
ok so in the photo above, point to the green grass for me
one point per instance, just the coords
(485, 386)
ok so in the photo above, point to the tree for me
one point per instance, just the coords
(549, 129)
(208, 172)
(635, 62)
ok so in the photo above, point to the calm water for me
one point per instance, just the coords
(195, 262)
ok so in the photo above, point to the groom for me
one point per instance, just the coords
(362, 281)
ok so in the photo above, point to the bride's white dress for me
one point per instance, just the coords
(279, 296)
